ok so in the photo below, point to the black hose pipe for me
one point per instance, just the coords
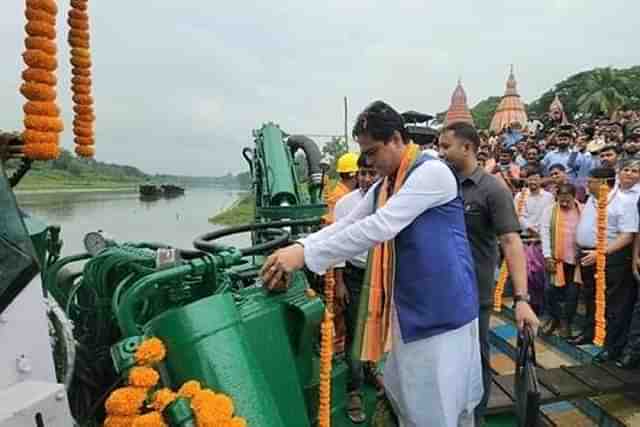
(206, 241)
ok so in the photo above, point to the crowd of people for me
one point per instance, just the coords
(555, 172)
(438, 213)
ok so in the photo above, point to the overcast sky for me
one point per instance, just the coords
(179, 85)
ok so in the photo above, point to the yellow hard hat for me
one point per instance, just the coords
(347, 163)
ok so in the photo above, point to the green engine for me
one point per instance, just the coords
(207, 305)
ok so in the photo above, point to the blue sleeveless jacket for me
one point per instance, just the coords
(435, 284)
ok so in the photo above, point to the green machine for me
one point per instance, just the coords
(207, 305)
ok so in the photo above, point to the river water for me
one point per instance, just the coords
(126, 217)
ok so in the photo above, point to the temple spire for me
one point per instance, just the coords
(458, 110)
(511, 109)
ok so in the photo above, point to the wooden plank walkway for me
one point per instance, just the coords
(565, 383)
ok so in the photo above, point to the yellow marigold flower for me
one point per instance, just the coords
(41, 151)
(126, 401)
(119, 421)
(150, 351)
(85, 150)
(223, 405)
(142, 376)
(189, 389)
(202, 400)
(152, 419)
(162, 399)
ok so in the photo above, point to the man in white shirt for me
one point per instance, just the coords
(349, 278)
(426, 311)
(537, 200)
(622, 223)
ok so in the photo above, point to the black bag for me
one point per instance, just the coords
(526, 381)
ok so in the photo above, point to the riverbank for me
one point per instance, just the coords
(242, 211)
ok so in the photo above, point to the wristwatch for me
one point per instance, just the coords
(520, 298)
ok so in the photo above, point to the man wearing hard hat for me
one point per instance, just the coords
(347, 168)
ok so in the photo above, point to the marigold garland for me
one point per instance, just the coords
(79, 4)
(326, 352)
(40, 59)
(78, 38)
(79, 80)
(41, 114)
(151, 351)
(41, 151)
(77, 42)
(85, 150)
(189, 389)
(163, 398)
(151, 419)
(40, 29)
(125, 406)
(43, 123)
(83, 141)
(504, 269)
(48, 6)
(119, 421)
(41, 43)
(600, 331)
(126, 401)
(39, 75)
(143, 376)
(36, 108)
(33, 137)
(40, 15)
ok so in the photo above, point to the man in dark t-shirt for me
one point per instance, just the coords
(490, 216)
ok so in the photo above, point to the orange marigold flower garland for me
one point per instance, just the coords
(138, 405)
(42, 116)
(126, 401)
(151, 419)
(163, 398)
(119, 421)
(150, 351)
(143, 376)
(504, 270)
(79, 40)
(326, 353)
(600, 331)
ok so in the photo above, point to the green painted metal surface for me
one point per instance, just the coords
(278, 174)
(38, 232)
(206, 341)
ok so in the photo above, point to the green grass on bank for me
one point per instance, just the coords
(242, 211)
(62, 180)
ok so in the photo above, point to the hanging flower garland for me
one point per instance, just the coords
(41, 114)
(600, 331)
(326, 353)
(504, 270)
(84, 117)
(141, 403)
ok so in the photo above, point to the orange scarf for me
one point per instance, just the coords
(376, 338)
(558, 220)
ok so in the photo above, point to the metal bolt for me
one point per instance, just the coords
(60, 395)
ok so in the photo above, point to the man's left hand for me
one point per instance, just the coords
(526, 316)
(277, 270)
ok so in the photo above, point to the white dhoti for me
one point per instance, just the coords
(435, 381)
